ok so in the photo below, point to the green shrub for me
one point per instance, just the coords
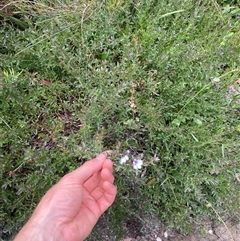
(145, 76)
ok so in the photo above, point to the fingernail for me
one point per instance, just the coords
(101, 156)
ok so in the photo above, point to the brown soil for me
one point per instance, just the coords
(211, 232)
(150, 228)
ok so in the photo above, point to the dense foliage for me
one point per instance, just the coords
(151, 77)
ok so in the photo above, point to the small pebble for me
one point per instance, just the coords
(210, 231)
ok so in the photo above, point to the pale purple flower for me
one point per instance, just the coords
(137, 164)
(124, 159)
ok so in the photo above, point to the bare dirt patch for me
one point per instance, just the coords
(150, 228)
(211, 232)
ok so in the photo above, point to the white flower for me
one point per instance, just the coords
(157, 158)
(165, 234)
(159, 239)
(124, 159)
(137, 164)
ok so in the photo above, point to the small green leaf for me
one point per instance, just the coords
(176, 122)
(198, 122)
(237, 128)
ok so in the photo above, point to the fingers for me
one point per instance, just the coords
(108, 165)
(107, 199)
(97, 193)
(110, 189)
(92, 182)
(96, 179)
(97, 190)
(89, 168)
(107, 175)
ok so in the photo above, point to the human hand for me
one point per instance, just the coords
(71, 208)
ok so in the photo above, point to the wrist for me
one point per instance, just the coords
(39, 230)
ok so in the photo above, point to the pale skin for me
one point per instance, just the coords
(71, 208)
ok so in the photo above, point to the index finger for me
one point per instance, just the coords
(85, 171)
